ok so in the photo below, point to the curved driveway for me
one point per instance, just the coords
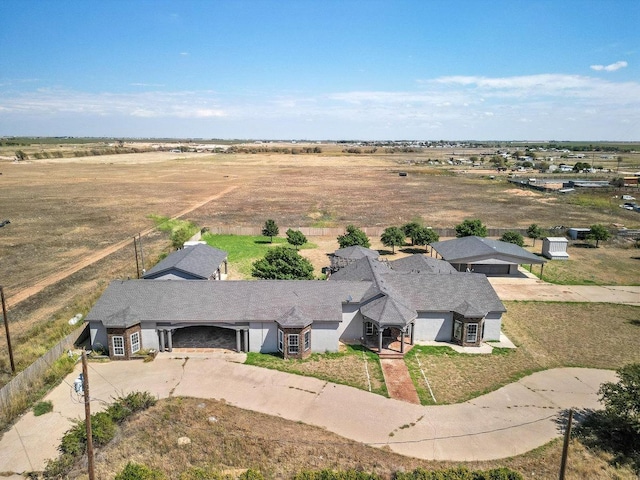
(512, 420)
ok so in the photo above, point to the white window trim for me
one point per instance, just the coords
(457, 330)
(116, 348)
(280, 340)
(293, 340)
(307, 340)
(368, 328)
(473, 339)
(135, 344)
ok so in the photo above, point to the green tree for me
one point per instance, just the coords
(617, 428)
(180, 235)
(599, 232)
(424, 236)
(512, 237)
(296, 238)
(470, 228)
(534, 231)
(354, 236)
(392, 237)
(270, 229)
(409, 229)
(282, 263)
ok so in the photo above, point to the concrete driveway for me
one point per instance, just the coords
(509, 421)
(537, 290)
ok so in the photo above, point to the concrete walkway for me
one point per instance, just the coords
(510, 421)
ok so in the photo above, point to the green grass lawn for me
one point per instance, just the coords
(243, 250)
(346, 367)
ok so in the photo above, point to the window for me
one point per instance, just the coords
(293, 344)
(457, 330)
(280, 341)
(118, 346)
(472, 333)
(307, 340)
(135, 342)
(368, 328)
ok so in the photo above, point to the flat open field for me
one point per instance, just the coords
(67, 210)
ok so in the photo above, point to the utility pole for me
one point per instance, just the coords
(565, 447)
(87, 415)
(135, 247)
(141, 252)
(6, 329)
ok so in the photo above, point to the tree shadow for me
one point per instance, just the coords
(262, 242)
(413, 250)
(598, 429)
(583, 245)
(385, 252)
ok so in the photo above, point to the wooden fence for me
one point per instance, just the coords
(335, 231)
(37, 370)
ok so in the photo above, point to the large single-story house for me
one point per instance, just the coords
(196, 262)
(484, 255)
(368, 301)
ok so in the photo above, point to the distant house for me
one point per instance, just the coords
(484, 255)
(197, 262)
(384, 305)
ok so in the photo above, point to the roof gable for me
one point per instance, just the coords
(477, 249)
(200, 261)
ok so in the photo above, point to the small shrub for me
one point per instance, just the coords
(59, 467)
(461, 473)
(41, 408)
(335, 475)
(251, 475)
(136, 471)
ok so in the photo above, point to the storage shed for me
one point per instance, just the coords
(578, 233)
(555, 248)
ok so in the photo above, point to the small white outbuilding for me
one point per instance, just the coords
(555, 248)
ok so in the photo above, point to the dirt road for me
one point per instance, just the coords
(99, 255)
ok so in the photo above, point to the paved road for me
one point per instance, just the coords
(509, 421)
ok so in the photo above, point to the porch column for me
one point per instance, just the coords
(246, 341)
(402, 341)
(225, 267)
(161, 336)
(238, 341)
(364, 331)
(380, 330)
(170, 340)
(412, 326)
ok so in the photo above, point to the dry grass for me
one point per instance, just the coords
(548, 335)
(237, 439)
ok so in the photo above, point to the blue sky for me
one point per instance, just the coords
(482, 70)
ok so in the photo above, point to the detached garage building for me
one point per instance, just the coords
(483, 255)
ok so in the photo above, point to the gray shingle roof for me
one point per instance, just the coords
(128, 302)
(199, 260)
(419, 263)
(388, 310)
(483, 250)
(428, 292)
(355, 252)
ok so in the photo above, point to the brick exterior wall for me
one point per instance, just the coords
(302, 353)
(125, 333)
(465, 324)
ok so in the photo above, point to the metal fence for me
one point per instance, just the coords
(35, 372)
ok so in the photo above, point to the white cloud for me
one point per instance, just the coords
(453, 107)
(610, 68)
